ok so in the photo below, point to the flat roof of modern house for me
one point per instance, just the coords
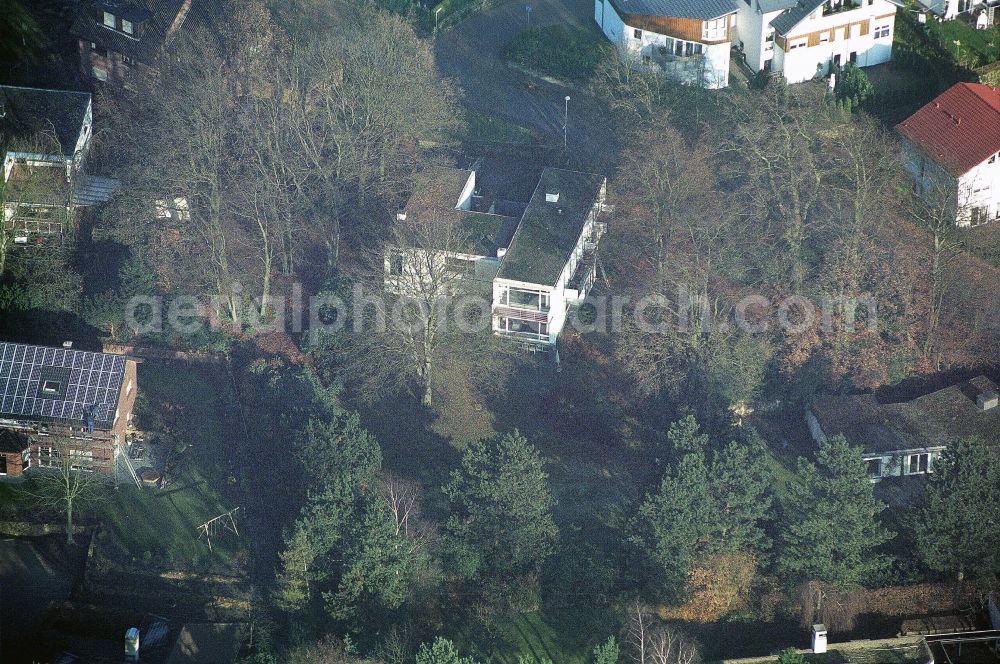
(44, 384)
(31, 114)
(437, 188)
(933, 420)
(37, 185)
(549, 230)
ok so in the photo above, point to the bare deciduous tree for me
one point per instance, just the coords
(67, 478)
(649, 640)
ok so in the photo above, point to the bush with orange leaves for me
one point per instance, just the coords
(717, 585)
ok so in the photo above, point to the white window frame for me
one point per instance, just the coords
(917, 455)
(108, 16)
(127, 27)
(715, 29)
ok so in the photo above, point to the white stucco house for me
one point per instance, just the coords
(906, 438)
(805, 40)
(533, 266)
(951, 150)
(689, 40)
(692, 42)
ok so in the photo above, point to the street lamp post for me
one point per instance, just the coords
(436, 12)
(527, 10)
(565, 122)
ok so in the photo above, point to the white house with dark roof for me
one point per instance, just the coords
(905, 439)
(46, 137)
(535, 266)
(689, 40)
(812, 37)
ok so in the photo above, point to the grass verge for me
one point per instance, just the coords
(566, 52)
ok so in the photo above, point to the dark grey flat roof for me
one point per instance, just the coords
(30, 111)
(698, 9)
(548, 232)
(77, 380)
(933, 420)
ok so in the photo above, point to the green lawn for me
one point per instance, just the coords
(165, 522)
(566, 52)
(976, 47)
(187, 405)
(529, 638)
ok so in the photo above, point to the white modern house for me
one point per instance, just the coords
(951, 150)
(805, 40)
(534, 266)
(906, 438)
(801, 39)
(47, 136)
(689, 40)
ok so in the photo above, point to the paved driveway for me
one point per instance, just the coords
(471, 53)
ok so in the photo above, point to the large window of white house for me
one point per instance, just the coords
(682, 48)
(715, 29)
(529, 327)
(917, 464)
(109, 19)
(528, 299)
(882, 31)
(798, 43)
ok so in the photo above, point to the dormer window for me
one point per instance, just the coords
(127, 27)
(109, 19)
(51, 387)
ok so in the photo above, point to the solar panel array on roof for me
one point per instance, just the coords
(42, 384)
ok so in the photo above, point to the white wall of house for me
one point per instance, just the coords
(975, 195)
(895, 463)
(465, 198)
(711, 70)
(902, 463)
(752, 30)
(842, 38)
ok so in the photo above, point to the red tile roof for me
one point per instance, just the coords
(960, 129)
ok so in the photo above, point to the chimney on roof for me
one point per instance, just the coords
(551, 196)
(67, 344)
(987, 400)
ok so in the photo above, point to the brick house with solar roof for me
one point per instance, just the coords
(60, 400)
(951, 150)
